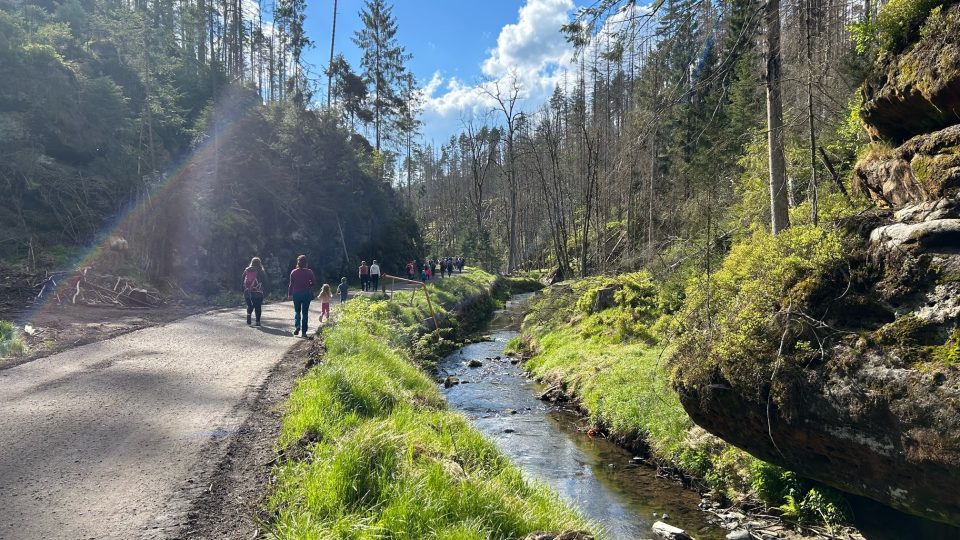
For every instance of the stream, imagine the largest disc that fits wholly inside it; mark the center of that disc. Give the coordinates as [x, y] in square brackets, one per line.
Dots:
[550, 443]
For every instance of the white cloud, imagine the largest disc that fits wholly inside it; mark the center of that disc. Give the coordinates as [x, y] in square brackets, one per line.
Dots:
[533, 50]
[533, 42]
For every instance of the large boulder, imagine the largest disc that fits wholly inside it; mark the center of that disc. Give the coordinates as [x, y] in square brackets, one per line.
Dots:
[927, 167]
[861, 386]
[918, 91]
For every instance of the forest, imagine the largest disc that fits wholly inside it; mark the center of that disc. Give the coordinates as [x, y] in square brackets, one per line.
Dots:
[652, 148]
[174, 140]
[655, 147]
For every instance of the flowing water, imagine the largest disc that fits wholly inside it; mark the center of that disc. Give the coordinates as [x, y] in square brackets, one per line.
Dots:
[550, 444]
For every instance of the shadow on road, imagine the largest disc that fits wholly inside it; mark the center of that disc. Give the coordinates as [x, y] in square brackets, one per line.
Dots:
[274, 331]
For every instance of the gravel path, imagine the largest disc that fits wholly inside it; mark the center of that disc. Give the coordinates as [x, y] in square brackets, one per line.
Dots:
[95, 441]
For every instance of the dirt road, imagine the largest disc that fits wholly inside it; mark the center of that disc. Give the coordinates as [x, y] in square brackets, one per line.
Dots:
[95, 442]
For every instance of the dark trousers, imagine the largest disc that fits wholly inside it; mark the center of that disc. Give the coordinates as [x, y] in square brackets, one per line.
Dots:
[254, 303]
[301, 309]
[364, 281]
[374, 282]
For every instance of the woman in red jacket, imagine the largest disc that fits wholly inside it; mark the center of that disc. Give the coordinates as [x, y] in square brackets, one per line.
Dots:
[300, 290]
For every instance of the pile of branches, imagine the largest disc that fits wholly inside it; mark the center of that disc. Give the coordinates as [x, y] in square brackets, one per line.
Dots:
[85, 287]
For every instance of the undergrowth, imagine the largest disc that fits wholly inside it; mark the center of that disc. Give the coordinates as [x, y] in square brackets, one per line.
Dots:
[11, 343]
[374, 453]
[734, 326]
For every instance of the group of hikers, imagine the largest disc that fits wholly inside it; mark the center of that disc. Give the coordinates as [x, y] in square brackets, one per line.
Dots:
[299, 289]
[429, 268]
[369, 276]
[302, 282]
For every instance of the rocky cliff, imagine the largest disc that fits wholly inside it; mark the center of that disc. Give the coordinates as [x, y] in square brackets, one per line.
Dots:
[853, 376]
[917, 91]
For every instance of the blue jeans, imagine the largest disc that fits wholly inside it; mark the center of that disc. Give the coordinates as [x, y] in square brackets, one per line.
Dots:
[301, 309]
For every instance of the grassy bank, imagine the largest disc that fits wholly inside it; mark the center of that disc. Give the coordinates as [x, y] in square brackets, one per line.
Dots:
[605, 343]
[370, 450]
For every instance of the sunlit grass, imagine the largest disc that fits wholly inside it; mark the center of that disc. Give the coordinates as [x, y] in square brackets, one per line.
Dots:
[376, 454]
[613, 360]
[624, 387]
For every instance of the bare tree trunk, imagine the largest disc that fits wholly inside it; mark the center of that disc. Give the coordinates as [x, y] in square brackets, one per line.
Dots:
[333, 36]
[780, 219]
[812, 188]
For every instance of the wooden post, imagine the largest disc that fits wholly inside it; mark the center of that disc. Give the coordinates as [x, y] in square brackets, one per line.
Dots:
[433, 315]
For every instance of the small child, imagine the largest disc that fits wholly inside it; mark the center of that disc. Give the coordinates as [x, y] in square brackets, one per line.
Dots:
[324, 298]
[343, 289]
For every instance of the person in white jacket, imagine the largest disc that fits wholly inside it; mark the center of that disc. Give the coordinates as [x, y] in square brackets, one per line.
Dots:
[375, 276]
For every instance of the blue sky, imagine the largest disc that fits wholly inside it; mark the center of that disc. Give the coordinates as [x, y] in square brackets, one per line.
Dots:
[456, 46]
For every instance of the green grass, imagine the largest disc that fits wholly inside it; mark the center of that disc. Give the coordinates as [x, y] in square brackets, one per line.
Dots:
[625, 387]
[373, 452]
[11, 343]
[609, 359]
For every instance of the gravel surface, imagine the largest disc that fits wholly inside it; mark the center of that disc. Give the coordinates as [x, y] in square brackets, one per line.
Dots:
[95, 442]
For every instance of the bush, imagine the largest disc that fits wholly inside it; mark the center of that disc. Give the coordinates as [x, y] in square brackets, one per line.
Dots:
[11, 343]
[896, 26]
[733, 322]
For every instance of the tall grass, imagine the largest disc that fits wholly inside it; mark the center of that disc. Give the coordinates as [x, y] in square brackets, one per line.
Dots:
[624, 387]
[374, 453]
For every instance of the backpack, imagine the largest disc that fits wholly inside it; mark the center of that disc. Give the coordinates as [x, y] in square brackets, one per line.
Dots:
[250, 282]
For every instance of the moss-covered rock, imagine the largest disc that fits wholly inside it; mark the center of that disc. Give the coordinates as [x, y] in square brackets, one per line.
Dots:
[918, 91]
[925, 168]
[843, 369]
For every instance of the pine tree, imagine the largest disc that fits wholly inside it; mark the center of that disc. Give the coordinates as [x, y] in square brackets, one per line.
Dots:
[383, 66]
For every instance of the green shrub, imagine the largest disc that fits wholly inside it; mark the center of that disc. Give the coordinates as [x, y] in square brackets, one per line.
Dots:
[896, 26]
[733, 323]
[815, 505]
[11, 343]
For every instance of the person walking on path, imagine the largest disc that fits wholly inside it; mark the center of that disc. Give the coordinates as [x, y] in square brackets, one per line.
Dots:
[411, 266]
[374, 276]
[300, 290]
[343, 289]
[254, 283]
[364, 275]
[325, 296]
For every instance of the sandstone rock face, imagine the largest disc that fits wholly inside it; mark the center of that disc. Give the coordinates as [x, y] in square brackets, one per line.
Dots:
[877, 429]
[919, 92]
[927, 167]
[877, 411]
[943, 233]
